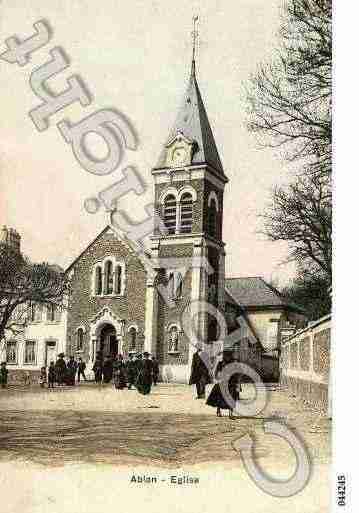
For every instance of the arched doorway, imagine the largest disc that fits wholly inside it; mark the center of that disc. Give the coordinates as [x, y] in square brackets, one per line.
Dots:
[108, 343]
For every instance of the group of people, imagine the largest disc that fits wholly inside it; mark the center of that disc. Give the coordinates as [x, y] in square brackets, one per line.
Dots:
[138, 371]
[141, 372]
[225, 393]
[63, 372]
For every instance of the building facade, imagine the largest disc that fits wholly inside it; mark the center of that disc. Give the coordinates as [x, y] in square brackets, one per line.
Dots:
[125, 302]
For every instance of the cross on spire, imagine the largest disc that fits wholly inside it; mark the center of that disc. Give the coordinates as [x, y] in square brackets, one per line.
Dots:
[194, 43]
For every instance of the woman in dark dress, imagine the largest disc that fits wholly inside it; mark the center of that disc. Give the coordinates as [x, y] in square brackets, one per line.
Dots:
[217, 397]
[107, 369]
[119, 373]
[145, 374]
[98, 368]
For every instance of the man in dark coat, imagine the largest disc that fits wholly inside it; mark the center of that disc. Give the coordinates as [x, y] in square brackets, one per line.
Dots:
[145, 374]
[60, 369]
[155, 370]
[200, 375]
[107, 369]
[131, 370]
[81, 366]
[98, 368]
[119, 373]
[71, 371]
[3, 375]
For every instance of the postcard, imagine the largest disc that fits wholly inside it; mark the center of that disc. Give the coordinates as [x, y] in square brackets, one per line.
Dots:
[165, 256]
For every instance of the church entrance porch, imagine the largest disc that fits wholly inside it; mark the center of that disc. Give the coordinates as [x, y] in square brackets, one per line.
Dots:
[106, 334]
[108, 343]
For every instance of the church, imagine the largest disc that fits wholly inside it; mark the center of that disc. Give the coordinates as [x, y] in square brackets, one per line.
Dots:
[117, 305]
[124, 302]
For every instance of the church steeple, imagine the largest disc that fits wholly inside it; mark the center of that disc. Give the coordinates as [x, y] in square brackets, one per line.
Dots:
[193, 124]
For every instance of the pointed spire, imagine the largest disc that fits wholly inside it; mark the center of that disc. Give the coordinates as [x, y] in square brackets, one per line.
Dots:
[192, 121]
[194, 44]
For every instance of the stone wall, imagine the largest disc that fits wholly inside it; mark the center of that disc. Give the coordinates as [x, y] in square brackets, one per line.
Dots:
[305, 364]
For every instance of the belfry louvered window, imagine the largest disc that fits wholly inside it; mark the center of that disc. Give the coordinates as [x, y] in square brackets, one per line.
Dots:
[186, 213]
[212, 219]
[169, 214]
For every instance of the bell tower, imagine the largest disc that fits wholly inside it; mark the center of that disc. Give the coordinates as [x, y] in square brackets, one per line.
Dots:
[189, 185]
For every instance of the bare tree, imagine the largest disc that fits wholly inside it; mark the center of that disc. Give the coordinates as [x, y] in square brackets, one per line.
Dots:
[289, 99]
[22, 284]
[301, 214]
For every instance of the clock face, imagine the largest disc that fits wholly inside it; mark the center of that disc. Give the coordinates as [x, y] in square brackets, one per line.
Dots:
[179, 155]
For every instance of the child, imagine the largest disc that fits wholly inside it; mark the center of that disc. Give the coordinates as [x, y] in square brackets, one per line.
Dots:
[52, 375]
[42, 379]
[3, 375]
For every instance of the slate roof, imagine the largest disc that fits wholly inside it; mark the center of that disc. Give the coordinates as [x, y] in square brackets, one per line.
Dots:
[192, 121]
[255, 292]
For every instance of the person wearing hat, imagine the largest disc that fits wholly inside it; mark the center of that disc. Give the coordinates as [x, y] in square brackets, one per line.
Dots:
[119, 373]
[131, 371]
[98, 369]
[225, 392]
[200, 375]
[3, 375]
[145, 374]
[107, 369]
[60, 369]
[71, 371]
[155, 370]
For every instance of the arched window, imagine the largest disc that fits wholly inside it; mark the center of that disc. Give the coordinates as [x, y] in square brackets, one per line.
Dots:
[186, 213]
[108, 277]
[118, 278]
[98, 281]
[212, 218]
[80, 339]
[173, 340]
[169, 213]
[133, 337]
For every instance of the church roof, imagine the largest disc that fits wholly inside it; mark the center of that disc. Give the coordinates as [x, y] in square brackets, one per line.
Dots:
[255, 292]
[192, 121]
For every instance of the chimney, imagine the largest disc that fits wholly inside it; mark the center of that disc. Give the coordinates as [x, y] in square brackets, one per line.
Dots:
[10, 237]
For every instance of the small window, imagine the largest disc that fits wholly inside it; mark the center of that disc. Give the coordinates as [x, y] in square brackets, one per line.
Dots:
[170, 214]
[50, 313]
[53, 313]
[133, 337]
[32, 313]
[30, 352]
[173, 340]
[186, 213]
[11, 352]
[80, 339]
[108, 278]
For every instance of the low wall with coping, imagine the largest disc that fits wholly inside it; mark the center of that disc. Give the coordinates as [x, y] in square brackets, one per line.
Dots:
[305, 364]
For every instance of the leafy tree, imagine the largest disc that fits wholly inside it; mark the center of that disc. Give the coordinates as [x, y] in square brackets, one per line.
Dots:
[310, 290]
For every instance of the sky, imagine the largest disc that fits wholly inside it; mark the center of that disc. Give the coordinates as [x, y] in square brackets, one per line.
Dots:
[135, 57]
